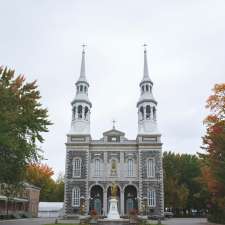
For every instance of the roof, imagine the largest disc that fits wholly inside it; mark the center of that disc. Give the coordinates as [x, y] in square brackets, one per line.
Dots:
[146, 97]
[113, 132]
[28, 185]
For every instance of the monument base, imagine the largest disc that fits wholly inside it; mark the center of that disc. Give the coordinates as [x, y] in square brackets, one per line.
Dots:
[113, 210]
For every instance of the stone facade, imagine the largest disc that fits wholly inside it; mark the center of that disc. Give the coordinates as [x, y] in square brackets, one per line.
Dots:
[120, 151]
[134, 165]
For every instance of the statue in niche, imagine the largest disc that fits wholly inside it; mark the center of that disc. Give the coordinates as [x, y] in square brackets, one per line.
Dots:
[114, 190]
[113, 168]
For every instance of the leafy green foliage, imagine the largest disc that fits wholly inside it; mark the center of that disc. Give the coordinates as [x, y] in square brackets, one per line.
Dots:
[181, 182]
[22, 122]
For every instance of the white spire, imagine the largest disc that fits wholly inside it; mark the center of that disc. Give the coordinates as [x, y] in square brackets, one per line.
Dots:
[145, 71]
[146, 75]
[82, 68]
[81, 105]
[147, 105]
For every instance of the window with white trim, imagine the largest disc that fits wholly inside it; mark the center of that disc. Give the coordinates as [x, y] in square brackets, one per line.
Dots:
[97, 167]
[76, 167]
[130, 165]
[151, 198]
[76, 197]
[150, 168]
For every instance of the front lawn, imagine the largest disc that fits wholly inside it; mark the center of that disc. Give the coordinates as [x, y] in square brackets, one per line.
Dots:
[85, 224]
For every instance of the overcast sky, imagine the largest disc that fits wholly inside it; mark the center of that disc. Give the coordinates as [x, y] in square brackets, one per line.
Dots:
[186, 53]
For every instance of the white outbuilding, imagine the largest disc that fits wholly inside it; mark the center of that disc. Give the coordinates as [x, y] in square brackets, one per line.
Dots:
[50, 209]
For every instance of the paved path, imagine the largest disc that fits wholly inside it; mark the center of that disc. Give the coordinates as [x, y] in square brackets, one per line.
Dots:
[186, 221]
[35, 221]
[41, 221]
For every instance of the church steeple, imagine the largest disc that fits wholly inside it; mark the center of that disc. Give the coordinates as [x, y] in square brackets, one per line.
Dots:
[82, 68]
[147, 105]
[145, 70]
[81, 104]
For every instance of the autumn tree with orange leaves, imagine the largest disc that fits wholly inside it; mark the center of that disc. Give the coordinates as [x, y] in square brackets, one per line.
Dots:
[213, 170]
[41, 176]
[22, 123]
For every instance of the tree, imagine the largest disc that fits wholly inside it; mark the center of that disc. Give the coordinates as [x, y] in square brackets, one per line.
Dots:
[213, 170]
[58, 194]
[22, 122]
[40, 175]
[183, 191]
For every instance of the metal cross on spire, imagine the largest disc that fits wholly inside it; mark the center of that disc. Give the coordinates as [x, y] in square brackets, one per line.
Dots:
[114, 124]
[145, 45]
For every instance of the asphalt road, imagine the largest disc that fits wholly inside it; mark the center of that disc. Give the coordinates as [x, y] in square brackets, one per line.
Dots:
[41, 221]
[34, 221]
[188, 221]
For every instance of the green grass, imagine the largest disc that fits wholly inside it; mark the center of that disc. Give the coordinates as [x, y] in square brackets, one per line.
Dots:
[62, 224]
[87, 224]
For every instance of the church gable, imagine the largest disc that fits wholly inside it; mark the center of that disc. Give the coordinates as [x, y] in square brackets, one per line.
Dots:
[114, 135]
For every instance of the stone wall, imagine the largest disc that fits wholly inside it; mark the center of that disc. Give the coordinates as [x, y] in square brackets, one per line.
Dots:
[121, 153]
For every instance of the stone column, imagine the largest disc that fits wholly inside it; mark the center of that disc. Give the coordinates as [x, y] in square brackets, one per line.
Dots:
[122, 202]
[151, 113]
[83, 109]
[105, 166]
[105, 203]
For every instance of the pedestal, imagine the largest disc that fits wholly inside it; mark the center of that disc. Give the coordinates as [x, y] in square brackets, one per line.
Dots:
[113, 210]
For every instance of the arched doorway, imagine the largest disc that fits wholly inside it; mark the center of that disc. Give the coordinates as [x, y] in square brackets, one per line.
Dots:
[130, 199]
[109, 196]
[96, 200]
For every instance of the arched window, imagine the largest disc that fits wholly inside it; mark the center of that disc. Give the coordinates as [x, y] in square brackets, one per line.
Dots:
[97, 167]
[142, 112]
[76, 197]
[148, 112]
[147, 87]
[143, 88]
[76, 167]
[130, 165]
[81, 88]
[154, 113]
[80, 112]
[86, 112]
[151, 198]
[150, 168]
[74, 113]
[85, 89]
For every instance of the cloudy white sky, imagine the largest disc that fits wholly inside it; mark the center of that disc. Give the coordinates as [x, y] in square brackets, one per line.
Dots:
[186, 54]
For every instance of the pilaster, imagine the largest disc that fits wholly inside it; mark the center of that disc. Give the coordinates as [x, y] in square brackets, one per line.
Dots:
[105, 203]
[122, 201]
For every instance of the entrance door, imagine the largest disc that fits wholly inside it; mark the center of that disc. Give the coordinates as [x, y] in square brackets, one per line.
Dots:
[98, 206]
[130, 204]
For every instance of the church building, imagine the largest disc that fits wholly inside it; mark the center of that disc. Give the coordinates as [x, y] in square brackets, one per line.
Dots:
[135, 166]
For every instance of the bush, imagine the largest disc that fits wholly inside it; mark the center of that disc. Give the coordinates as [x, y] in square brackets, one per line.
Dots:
[7, 217]
[216, 218]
